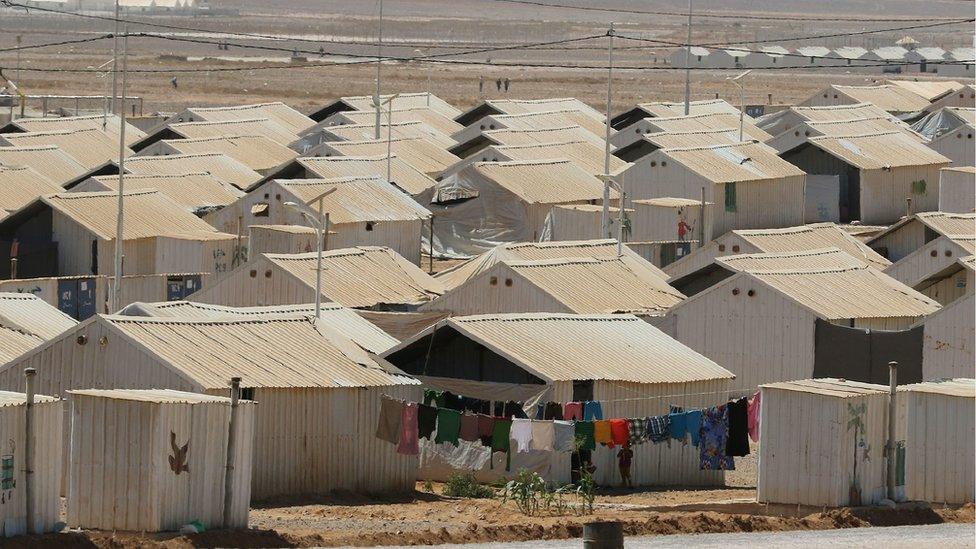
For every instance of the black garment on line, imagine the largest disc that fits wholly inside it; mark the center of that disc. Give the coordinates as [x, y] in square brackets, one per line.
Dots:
[737, 443]
[553, 411]
[426, 420]
[514, 409]
[452, 402]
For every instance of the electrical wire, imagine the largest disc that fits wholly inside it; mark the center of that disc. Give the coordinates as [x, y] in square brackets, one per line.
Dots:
[61, 43]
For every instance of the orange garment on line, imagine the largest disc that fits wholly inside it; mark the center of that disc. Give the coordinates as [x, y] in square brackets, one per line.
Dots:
[601, 432]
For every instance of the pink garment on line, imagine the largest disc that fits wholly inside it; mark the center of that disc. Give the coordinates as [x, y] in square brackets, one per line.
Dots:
[408, 431]
[573, 410]
[753, 412]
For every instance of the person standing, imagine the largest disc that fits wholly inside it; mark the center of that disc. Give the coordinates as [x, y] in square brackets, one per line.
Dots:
[624, 458]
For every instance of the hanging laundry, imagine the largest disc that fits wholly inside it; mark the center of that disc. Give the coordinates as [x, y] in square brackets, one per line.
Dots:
[543, 435]
[678, 424]
[714, 435]
[452, 401]
[619, 432]
[469, 428]
[448, 426]
[514, 409]
[672, 409]
[486, 427]
[657, 429]
[540, 411]
[500, 435]
[564, 436]
[391, 414]
[433, 398]
[408, 445]
[521, 433]
[553, 411]
[573, 410]
[737, 443]
[426, 421]
[637, 429]
[754, 406]
[602, 433]
[592, 410]
[693, 421]
[585, 432]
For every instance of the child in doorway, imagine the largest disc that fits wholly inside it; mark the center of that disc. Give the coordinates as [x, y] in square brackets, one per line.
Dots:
[624, 457]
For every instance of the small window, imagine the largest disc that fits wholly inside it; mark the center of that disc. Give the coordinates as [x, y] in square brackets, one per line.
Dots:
[260, 209]
[948, 253]
[735, 248]
[369, 225]
[247, 393]
[493, 281]
[508, 282]
[730, 197]
[254, 273]
[918, 187]
[267, 274]
[664, 163]
[721, 247]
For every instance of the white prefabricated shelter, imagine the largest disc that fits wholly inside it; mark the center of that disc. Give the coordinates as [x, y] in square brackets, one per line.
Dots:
[565, 285]
[949, 339]
[877, 173]
[632, 367]
[790, 239]
[264, 127]
[957, 190]
[21, 185]
[298, 369]
[490, 203]
[277, 112]
[782, 123]
[428, 115]
[669, 219]
[361, 277]
[957, 144]
[728, 58]
[48, 160]
[761, 322]
[931, 90]
[363, 211]
[257, 152]
[89, 147]
[401, 174]
[533, 251]
[527, 136]
[15, 342]
[280, 239]
[155, 460]
[533, 121]
[935, 424]
[651, 142]
[707, 121]
[422, 154]
[404, 129]
[893, 99]
[31, 314]
[847, 56]
[526, 106]
[939, 269]
[697, 57]
[665, 109]
[73, 233]
[821, 443]
[46, 477]
[403, 101]
[110, 124]
[911, 233]
[197, 193]
[580, 222]
[751, 187]
[585, 154]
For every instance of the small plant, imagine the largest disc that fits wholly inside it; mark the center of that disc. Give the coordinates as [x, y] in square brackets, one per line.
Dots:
[528, 491]
[464, 485]
[428, 487]
[586, 487]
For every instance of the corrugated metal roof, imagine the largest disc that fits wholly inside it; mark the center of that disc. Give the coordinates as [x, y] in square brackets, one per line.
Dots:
[850, 52]
[703, 138]
[192, 191]
[930, 90]
[527, 106]
[532, 251]
[281, 114]
[444, 124]
[264, 352]
[949, 224]
[256, 126]
[958, 387]
[404, 176]
[534, 121]
[826, 258]
[584, 154]
[219, 165]
[90, 148]
[878, 150]
[148, 213]
[110, 124]
[812, 237]
[731, 163]
[254, 151]
[29, 313]
[158, 396]
[839, 388]
[891, 53]
[839, 112]
[561, 347]
[705, 122]
[843, 293]
[861, 126]
[47, 160]
[404, 100]
[593, 286]
[571, 132]
[14, 342]
[666, 109]
[22, 185]
[357, 199]
[401, 130]
[422, 154]
[551, 181]
[342, 319]
[813, 51]
[887, 97]
[9, 398]
[363, 276]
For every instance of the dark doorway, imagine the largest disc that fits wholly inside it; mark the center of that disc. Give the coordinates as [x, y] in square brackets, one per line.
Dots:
[850, 195]
[863, 355]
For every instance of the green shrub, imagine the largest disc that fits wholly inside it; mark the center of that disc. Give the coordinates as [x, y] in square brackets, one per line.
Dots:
[464, 485]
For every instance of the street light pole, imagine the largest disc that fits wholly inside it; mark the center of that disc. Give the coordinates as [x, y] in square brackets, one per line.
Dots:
[117, 286]
[321, 225]
[424, 53]
[115, 56]
[688, 65]
[742, 100]
[379, 65]
[605, 213]
[389, 134]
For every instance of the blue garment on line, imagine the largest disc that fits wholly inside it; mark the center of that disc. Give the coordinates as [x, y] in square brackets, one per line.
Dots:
[693, 420]
[592, 410]
[657, 428]
[678, 425]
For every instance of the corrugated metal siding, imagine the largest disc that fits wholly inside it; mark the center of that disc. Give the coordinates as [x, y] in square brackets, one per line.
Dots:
[423, 154]
[257, 152]
[957, 145]
[281, 113]
[250, 126]
[403, 175]
[219, 165]
[427, 115]
[883, 192]
[949, 341]
[957, 189]
[939, 435]
[47, 466]
[921, 264]
[807, 453]
[120, 477]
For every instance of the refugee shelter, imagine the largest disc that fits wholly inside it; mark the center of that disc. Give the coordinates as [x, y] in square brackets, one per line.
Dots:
[694, 57]
[423, 155]
[257, 152]
[277, 112]
[280, 239]
[49, 161]
[155, 460]
[651, 142]
[664, 109]
[29, 313]
[774, 318]
[492, 107]
[21, 185]
[197, 193]
[949, 339]
[218, 165]
[957, 143]
[894, 99]
[706, 121]
[111, 124]
[940, 269]
[264, 127]
[444, 125]
[403, 100]
[490, 203]
[585, 154]
[957, 190]
[532, 121]
[844, 421]
[295, 451]
[401, 174]
[912, 232]
[578, 285]
[398, 129]
[619, 360]
[527, 136]
[89, 147]
[782, 123]
[363, 277]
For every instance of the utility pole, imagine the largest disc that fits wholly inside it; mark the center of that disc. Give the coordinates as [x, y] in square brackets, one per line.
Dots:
[117, 286]
[891, 447]
[115, 56]
[379, 65]
[605, 214]
[688, 65]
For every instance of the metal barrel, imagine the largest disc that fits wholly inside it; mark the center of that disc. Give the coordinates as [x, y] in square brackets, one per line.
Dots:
[603, 535]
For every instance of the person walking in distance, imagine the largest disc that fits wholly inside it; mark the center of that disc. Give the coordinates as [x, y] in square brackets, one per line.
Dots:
[624, 457]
